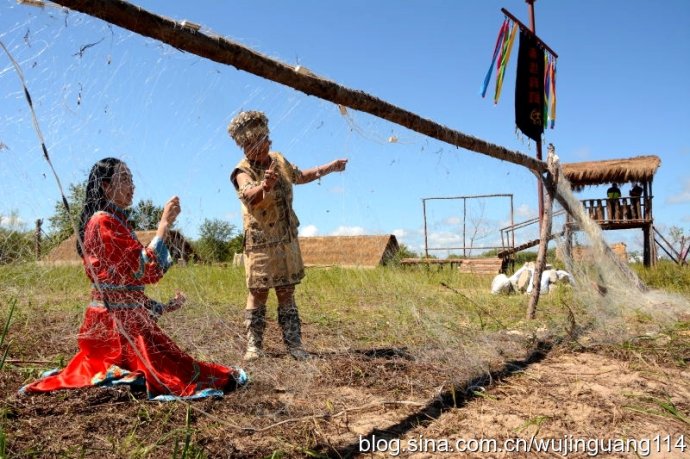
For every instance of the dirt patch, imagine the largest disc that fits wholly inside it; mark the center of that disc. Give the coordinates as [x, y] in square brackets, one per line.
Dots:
[329, 405]
[573, 396]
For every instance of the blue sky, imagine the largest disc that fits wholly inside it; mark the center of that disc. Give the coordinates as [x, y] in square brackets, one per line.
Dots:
[622, 91]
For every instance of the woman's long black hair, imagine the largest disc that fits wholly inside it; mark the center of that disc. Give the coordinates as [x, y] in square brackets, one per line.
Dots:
[95, 199]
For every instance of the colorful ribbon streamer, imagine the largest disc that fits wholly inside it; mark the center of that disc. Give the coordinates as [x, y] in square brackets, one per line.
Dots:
[549, 90]
[552, 99]
[503, 62]
[501, 57]
[499, 40]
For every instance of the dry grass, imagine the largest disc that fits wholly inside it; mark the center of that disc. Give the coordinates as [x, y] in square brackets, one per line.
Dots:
[394, 348]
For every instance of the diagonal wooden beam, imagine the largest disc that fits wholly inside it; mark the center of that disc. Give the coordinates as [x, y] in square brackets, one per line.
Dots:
[224, 51]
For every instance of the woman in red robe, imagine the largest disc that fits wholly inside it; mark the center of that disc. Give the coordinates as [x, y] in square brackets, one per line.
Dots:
[119, 340]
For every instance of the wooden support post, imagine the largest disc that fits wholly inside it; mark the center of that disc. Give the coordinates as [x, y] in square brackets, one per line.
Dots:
[37, 239]
[545, 233]
[648, 242]
[568, 248]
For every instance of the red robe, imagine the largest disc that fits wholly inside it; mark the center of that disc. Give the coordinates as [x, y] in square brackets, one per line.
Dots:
[119, 340]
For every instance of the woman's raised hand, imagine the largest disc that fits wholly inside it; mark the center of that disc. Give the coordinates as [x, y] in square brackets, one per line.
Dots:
[171, 210]
[270, 177]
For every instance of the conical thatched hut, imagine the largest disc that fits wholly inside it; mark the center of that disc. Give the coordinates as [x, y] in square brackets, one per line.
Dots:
[360, 251]
[180, 248]
[626, 211]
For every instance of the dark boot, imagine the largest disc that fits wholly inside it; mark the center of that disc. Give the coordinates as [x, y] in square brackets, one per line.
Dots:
[288, 318]
[254, 324]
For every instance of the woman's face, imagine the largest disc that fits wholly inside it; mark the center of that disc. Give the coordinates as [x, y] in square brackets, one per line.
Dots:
[120, 189]
[258, 151]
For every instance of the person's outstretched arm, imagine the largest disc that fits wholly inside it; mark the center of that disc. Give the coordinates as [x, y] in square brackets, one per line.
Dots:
[317, 172]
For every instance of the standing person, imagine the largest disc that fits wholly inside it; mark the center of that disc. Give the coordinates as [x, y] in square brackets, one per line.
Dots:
[613, 195]
[263, 180]
[119, 340]
[613, 192]
[635, 195]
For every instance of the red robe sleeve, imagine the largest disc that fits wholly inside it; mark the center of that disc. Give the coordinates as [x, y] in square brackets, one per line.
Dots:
[115, 256]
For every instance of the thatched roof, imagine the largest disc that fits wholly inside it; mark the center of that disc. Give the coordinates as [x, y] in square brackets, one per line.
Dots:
[66, 252]
[637, 169]
[362, 251]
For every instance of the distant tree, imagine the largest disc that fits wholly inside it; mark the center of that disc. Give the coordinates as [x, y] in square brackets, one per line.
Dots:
[16, 243]
[680, 240]
[236, 244]
[61, 223]
[216, 240]
[490, 253]
[477, 225]
[145, 215]
[403, 252]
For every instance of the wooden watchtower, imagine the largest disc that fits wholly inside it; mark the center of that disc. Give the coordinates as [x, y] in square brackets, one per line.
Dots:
[626, 212]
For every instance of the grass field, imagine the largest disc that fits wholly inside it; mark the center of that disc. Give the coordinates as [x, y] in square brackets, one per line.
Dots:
[392, 347]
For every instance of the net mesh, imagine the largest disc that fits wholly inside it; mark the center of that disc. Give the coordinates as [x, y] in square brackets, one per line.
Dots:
[101, 91]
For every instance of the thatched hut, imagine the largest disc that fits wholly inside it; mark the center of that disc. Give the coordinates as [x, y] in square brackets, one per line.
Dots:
[624, 212]
[180, 248]
[638, 169]
[359, 251]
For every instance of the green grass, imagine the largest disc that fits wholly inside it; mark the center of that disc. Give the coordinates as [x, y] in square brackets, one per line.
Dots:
[5, 330]
[381, 306]
[666, 275]
[386, 306]
[449, 314]
[327, 296]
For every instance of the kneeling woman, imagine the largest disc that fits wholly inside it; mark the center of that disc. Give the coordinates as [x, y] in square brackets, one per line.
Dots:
[119, 341]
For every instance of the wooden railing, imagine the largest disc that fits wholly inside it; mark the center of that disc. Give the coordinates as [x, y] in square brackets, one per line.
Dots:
[618, 210]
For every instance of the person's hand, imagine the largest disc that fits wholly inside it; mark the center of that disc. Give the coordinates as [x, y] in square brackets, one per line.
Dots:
[176, 302]
[338, 165]
[270, 178]
[171, 210]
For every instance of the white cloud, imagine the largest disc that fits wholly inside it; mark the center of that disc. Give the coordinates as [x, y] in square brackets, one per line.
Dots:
[452, 221]
[444, 239]
[12, 222]
[682, 196]
[400, 233]
[348, 231]
[308, 231]
[582, 154]
[524, 211]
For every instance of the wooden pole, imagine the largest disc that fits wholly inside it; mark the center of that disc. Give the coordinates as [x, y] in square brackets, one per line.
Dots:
[224, 51]
[464, 227]
[530, 28]
[652, 248]
[37, 239]
[568, 245]
[540, 186]
[426, 240]
[545, 231]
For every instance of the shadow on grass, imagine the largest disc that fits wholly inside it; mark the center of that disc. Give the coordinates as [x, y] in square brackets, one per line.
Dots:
[375, 353]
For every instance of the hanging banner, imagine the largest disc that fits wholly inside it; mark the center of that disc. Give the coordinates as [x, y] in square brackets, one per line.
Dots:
[529, 87]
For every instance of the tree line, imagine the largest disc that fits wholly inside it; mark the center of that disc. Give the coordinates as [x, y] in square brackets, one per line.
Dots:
[218, 240]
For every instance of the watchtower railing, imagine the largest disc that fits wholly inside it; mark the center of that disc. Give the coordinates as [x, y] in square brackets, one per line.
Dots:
[618, 210]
